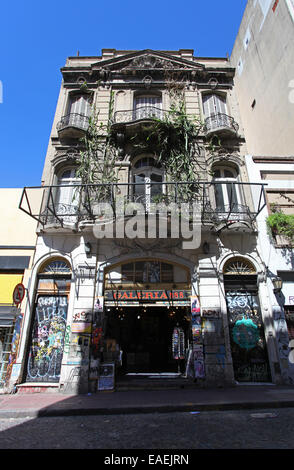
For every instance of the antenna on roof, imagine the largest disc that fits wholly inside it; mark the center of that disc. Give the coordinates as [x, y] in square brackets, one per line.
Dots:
[78, 53]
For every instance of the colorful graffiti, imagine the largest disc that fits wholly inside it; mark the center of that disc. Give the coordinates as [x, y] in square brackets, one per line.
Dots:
[48, 335]
[195, 363]
[14, 350]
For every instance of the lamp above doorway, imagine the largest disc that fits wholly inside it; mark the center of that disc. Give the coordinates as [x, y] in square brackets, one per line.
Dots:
[278, 284]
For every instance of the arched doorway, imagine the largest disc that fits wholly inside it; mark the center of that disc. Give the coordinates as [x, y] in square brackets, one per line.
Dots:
[49, 322]
[145, 299]
[248, 345]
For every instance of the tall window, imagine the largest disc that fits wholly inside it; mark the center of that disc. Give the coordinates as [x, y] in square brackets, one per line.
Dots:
[148, 181]
[147, 106]
[214, 104]
[227, 196]
[67, 199]
[79, 109]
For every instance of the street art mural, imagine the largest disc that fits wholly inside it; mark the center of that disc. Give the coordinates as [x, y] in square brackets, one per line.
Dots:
[248, 346]
[48, 339]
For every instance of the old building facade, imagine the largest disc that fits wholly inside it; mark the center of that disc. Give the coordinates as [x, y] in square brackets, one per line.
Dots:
[147, 256]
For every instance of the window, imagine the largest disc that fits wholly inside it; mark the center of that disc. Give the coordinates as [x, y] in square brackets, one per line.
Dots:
[67, 200]
[79, 104]
[79, 109]
[147, 272]
[147, 106]
[216, 114]
[214, 104]
[227, 196]
[147, 181]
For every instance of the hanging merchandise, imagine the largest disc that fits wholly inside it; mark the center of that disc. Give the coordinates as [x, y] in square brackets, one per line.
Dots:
[178, 343]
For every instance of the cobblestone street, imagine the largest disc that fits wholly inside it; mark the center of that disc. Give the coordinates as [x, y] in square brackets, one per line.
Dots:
[247, 429]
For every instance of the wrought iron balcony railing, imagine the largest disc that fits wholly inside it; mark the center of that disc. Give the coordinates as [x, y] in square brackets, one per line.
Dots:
[137, 114]
[71, 205]
[75, 120]
[220, 122]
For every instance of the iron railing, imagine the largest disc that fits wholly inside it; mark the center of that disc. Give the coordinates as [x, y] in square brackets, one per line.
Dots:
[84, 202]
[136, 114]
[220, 121]
[80, 121]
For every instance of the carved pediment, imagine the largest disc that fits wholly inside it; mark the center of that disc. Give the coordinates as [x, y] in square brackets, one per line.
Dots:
[147, 60]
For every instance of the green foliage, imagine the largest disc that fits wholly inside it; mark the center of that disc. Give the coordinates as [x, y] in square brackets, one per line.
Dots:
[282, 224]
[97, 162]
[173, 140]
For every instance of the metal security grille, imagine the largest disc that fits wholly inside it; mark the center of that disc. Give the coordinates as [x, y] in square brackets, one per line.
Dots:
[5, 348]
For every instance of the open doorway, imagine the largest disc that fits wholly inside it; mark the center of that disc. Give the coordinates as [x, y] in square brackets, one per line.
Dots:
[144, 335]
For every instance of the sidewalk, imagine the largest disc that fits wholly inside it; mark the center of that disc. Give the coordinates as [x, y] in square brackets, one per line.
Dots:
[56, 404]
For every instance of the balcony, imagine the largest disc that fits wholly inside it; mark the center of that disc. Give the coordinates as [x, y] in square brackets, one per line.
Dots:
[72, 125]
[106, 203]
[220, 124]
[136, 117]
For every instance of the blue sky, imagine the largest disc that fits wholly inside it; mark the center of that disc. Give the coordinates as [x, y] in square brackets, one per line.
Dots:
[37, 37]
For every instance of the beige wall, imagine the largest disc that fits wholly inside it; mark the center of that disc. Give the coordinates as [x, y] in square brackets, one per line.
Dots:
[17, 228]
[265, 73]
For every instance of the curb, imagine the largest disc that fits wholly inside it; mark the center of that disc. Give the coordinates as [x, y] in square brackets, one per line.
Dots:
[55, 412]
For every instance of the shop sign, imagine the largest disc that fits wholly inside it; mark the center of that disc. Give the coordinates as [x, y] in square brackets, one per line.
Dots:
[147, 295]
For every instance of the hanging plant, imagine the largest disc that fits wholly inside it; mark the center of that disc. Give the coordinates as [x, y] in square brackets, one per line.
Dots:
[281, 224]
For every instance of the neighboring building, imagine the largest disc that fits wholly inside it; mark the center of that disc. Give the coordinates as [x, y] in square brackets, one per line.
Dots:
[264, 59]
[145, 302]
[17, 247]
[263, 55]
[276, 249]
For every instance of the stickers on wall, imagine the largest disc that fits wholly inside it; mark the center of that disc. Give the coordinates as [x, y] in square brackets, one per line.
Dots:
[196, 356]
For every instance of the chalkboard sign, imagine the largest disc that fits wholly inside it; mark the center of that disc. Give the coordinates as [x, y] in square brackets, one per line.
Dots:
[106, 376]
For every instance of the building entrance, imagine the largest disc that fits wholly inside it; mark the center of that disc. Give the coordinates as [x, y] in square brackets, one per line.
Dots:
[145, 337]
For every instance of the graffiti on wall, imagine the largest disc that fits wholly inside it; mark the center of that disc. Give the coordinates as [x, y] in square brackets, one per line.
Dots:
[248, 346]
[47, 342]
[14, 351]
[195, 362]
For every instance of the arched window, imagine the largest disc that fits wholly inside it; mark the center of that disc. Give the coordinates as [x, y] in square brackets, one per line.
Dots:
[147, 179]
[227, 194]
[56, 267]
[238, 266]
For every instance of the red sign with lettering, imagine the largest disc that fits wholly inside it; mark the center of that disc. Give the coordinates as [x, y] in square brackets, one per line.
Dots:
[147, 295]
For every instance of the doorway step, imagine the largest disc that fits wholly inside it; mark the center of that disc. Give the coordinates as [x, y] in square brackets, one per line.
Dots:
[154, 381]
[38, 387]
